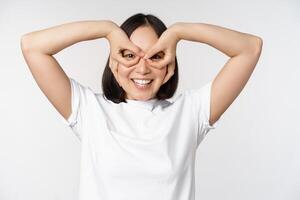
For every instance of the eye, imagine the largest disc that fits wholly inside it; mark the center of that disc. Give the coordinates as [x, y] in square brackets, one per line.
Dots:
[129, 55]
[157, 56]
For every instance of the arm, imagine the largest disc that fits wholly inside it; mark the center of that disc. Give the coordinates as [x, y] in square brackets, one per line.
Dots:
[38, 48]
[54, 39]
[244, 51]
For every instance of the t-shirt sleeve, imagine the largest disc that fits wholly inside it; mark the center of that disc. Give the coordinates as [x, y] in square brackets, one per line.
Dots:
[79, 102]
[201, 102]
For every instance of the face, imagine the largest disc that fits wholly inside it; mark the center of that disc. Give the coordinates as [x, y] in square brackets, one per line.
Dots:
[144, 37]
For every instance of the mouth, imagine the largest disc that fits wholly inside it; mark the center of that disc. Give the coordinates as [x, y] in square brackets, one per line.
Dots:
[142, 85]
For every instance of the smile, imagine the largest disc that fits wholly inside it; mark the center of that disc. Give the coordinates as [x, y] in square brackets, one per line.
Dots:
[142, 84]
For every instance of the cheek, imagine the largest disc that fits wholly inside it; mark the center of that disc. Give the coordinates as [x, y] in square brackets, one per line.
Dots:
[124, 75]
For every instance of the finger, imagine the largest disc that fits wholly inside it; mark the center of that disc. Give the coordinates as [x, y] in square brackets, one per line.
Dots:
[132, 47]
[127, 63]
[171, 72]
[159, 64]
[114, 70]
[118, 57]
[112, 65]
[151, 52]
[111, 62]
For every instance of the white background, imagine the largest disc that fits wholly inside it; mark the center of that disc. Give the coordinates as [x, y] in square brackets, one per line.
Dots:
[252, 154]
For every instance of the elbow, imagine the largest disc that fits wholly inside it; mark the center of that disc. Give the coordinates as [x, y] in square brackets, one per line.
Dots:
[258, 44]
[255, 45]
[27, 42]
[24, 42]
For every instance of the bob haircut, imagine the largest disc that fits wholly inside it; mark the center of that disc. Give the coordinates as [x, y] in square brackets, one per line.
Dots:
[111, 88]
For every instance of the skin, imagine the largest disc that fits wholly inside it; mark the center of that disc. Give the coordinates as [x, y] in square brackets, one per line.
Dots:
[144, 37]
[243, 49]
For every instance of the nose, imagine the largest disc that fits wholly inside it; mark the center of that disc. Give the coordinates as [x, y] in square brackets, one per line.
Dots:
[142, 66]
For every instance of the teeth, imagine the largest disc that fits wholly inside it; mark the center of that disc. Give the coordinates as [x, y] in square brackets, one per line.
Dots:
[144, 82]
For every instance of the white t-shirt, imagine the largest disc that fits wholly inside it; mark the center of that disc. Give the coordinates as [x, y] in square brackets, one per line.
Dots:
[140, 150]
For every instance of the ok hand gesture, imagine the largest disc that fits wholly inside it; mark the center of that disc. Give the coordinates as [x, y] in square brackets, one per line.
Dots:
[167, 44]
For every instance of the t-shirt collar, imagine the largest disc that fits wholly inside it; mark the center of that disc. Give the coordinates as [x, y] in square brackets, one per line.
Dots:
[147, 104]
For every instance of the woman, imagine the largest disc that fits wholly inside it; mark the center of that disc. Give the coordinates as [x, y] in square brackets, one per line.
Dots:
[136, 142]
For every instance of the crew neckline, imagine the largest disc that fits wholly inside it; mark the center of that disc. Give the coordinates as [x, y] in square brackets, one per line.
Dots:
[147, 104]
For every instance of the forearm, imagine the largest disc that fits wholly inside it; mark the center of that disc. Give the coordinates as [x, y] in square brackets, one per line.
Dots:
[54, 39]
[228, 41]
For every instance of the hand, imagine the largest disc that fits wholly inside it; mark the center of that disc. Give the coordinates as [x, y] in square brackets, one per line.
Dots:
[167, 44]
[119, 41]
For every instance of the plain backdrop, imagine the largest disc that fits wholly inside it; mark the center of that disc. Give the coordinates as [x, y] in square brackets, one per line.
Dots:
[252, 154]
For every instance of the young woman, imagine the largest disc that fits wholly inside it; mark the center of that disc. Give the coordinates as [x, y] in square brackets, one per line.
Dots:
[137, 143]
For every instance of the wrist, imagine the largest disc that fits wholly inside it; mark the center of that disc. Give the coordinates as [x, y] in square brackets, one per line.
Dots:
[109, 27]
[176, 29]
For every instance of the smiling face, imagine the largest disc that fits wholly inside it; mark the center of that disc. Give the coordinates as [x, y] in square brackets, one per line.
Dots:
[144, 37]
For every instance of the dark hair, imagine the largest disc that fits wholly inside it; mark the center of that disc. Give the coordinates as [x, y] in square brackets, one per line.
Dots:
[111, 87]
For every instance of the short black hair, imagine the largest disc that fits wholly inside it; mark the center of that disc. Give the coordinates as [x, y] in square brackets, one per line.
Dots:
[111, 87]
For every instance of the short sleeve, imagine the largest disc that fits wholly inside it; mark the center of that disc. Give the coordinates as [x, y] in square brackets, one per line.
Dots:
[201, 100]
[78, 101]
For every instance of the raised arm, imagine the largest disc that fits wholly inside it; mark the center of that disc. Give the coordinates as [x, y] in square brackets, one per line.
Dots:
[38, 48]
[244, 51]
